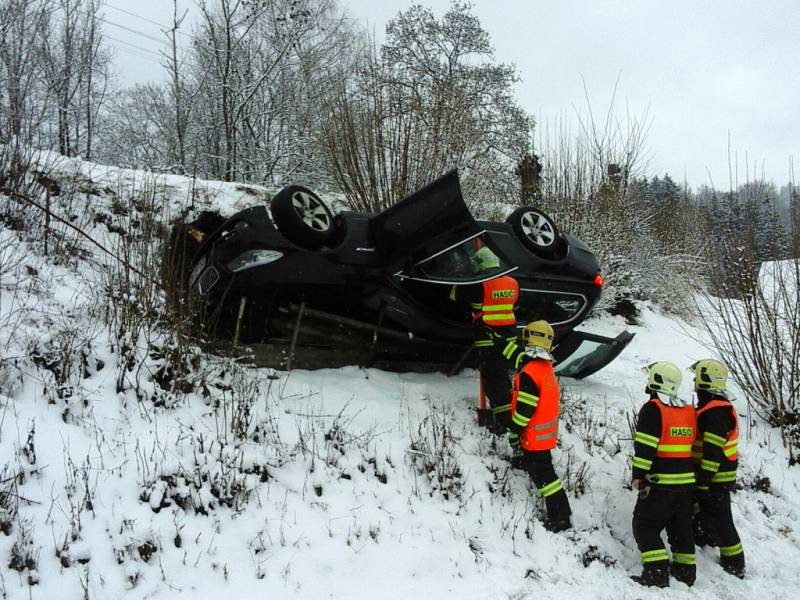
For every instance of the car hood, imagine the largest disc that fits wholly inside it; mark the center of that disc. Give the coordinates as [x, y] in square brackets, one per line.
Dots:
[427, 221]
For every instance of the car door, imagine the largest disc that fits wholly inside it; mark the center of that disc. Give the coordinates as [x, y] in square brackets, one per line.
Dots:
[581, 353]
[423, 224]
[420, 295]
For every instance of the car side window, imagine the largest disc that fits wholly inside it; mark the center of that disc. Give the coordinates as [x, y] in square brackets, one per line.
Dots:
[458, 264]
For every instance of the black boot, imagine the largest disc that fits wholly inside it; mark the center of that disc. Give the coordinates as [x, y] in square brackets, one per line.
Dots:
[653, 576]
[517, 460]
[558, 525]
[700, 536]
[486, 418]
[684, 573]
[501, 423]
[733, 565]
[559, 513]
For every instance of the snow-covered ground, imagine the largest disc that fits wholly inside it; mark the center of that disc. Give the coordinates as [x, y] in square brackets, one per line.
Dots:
[346, 483]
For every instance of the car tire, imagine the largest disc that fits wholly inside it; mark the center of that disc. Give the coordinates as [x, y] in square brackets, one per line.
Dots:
[301, 216]
[537, 231]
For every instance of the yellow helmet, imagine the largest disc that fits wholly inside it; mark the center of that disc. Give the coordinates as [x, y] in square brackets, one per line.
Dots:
[710, 375]
[663, 377]
[538, 333]
[485, 259]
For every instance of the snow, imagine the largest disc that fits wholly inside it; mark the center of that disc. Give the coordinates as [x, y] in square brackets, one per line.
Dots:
[326, 495]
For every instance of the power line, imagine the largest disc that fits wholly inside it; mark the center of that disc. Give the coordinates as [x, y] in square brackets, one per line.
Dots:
[127, 12]
[140, 33]
[136, 54]
[137, 32]
[142, 51]
[147, 51]
[146, 19]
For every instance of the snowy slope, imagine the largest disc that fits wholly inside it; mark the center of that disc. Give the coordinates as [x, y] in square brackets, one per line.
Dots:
[346, 483]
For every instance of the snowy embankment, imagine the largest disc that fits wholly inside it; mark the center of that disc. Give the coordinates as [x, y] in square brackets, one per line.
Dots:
[346, 483]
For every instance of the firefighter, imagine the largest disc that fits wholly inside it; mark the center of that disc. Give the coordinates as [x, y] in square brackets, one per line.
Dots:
[534, 422]
[495, 326]
[663, 475]
[716, 460]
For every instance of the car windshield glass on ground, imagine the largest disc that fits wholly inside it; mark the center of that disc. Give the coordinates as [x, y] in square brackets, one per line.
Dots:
[460, 264]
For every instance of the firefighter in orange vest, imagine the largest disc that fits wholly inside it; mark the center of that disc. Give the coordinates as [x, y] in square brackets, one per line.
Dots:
[534, 422]
[492, 303]
[663, 474]
[716, 459]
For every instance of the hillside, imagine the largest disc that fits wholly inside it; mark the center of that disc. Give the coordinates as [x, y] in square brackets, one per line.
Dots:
[133, 465]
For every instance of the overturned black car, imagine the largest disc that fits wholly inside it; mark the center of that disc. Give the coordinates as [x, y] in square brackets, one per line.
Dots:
[297, 286]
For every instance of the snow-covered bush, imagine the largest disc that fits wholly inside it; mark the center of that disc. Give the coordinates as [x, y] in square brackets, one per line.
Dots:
[593, 185]
[66, 353]
[434, 455]
[758, 337]
[9, 497]
[220, 463]
[575, 473]
[25, 552]
[134, 545]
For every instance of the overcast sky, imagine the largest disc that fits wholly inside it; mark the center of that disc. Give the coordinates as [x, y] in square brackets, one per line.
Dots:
[702, 70]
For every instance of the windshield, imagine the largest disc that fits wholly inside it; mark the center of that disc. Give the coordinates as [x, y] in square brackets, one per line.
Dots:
[469, 261]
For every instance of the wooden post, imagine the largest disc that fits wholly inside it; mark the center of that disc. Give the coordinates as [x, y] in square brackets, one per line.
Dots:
[461, 360]
[376, 332]
[238, 328]
[295, 333]
[47, 219]
[485, 415]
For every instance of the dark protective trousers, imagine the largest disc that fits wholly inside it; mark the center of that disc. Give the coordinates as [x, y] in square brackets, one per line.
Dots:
[715, 524]
[497, 384]
[670, 509]
[539, 466]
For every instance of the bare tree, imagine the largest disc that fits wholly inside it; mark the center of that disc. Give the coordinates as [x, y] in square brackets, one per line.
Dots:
[140, 121]
[229, 54]
[259, 70]
[588, 165]
[75, 68]
[758, 336]
[97, 72]
[21, 24]
[431, 100]
[181, 103]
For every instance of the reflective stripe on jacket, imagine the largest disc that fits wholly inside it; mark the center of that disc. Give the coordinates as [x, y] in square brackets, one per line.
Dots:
[499, 297]
[541, 432]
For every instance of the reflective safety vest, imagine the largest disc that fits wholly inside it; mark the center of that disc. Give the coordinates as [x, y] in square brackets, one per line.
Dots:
[541, 433]
[730, 446]
[499, 297]
[673, 463]
[725, 473]
[678, 431]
